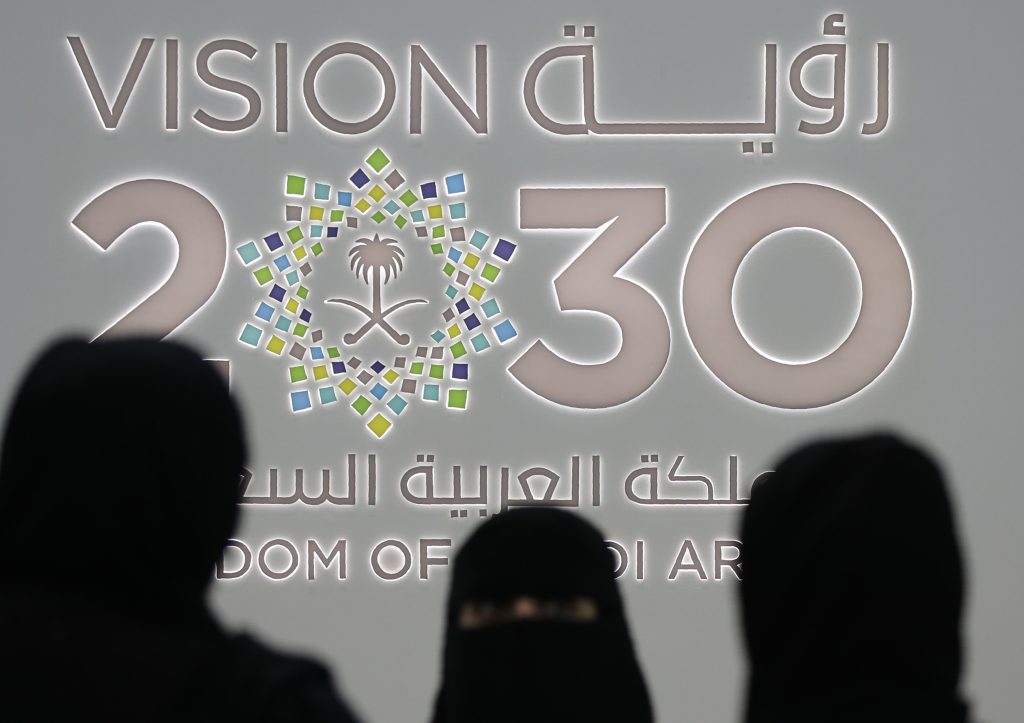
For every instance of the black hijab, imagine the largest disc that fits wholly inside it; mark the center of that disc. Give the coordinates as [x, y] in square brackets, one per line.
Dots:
[119, 485]
[119, 473]
[852, 588]
[539, 670]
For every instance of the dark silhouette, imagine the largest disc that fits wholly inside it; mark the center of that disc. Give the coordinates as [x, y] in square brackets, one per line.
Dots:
[536, 629]
[119, 485]
[852, 588]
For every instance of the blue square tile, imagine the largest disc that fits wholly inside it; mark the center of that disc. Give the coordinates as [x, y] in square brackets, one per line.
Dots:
[472, 322]
[300, 401]
[306, 315]
[273, 241]
[250, 335]
[264, 311]
[248, 252]
[505, 331]
[479, 239]
[344, 198]
[327, 395]
[503, 250]
[277, 293]
[454, 254]
[480, 342]
[338, 367]
[428, 190]
[379, 390]
[332, 232]
[460, 371]
[282, 263]
[377, 366]
[359, 178]
[316, 353]
[490, 308]
[462, 306]
[456, 183]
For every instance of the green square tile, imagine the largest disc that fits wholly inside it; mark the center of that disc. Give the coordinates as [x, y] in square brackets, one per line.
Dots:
[337, 215]
[408, 198]
[303, 292]
[297, 374]
[458, 349]
[317, 249]
[437, 232]
[379, 425]
[295, 234]
[263, 275]
[457, 398]
[361, 404]
[436, 249]
[378, 160]
[400, 221]
[333, 353]
[378, 217]
[416, 368]
[275, 345]
[490, 272]
[448, 269]
[300, 330]
[295, 186]
[437, 371]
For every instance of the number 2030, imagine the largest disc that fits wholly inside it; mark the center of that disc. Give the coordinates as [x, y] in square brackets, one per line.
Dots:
[629, 219]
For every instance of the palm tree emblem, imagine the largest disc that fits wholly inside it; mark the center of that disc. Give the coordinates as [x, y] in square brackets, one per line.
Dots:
[369, 257]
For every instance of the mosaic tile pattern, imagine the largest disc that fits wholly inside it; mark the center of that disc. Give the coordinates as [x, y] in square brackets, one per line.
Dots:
[377, 198]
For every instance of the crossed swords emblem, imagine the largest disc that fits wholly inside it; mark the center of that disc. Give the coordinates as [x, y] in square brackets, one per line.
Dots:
[369, 257]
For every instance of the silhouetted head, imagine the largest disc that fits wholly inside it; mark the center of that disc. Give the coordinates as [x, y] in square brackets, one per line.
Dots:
[852, 588]
[536, 629]
[119, 472]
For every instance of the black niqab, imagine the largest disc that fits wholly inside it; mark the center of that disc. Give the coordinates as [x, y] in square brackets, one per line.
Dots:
[539, 670]
[852, 588]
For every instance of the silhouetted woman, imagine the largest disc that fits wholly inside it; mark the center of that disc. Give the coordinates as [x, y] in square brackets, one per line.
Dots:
[852, 588]
[119, 485]
[536, 629]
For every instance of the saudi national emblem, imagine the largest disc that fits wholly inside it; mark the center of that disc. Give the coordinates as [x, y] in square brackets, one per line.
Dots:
[370, 257]
[375, 223]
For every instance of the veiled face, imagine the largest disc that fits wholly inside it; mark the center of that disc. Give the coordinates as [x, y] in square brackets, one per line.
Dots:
[480, 614]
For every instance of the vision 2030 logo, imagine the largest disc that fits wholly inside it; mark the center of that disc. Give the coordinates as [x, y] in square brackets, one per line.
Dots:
[366, 225]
